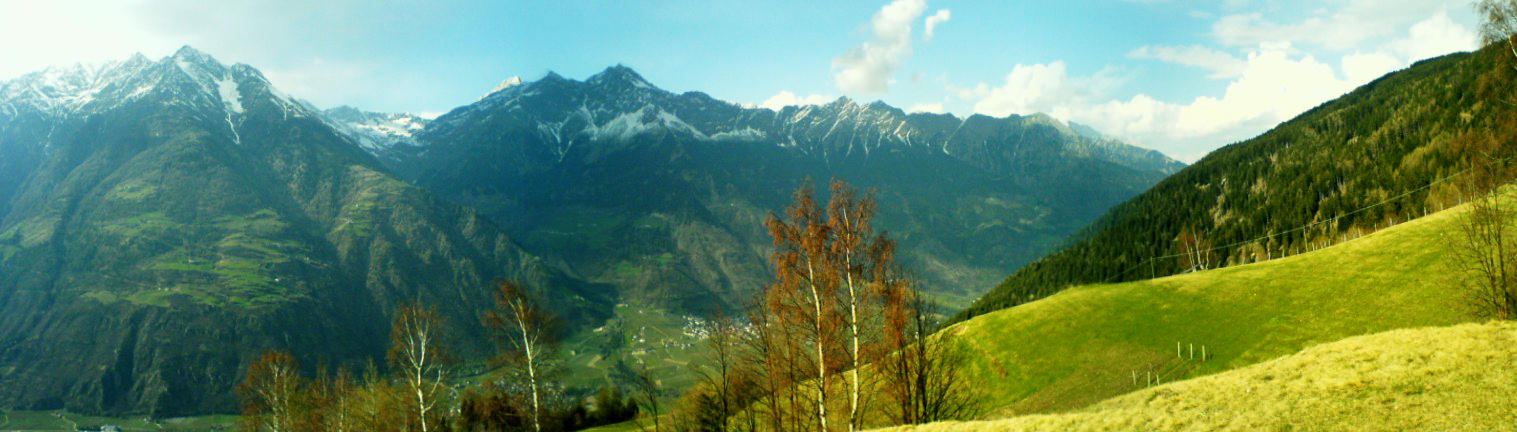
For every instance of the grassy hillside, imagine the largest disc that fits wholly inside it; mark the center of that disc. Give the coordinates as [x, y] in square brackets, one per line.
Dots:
[1448, 378]
[66, 421]
[1093, 342]
[1329, 171]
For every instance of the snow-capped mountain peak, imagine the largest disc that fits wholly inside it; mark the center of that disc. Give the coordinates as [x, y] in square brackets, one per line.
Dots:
[189, 79]
[66, 88]
[377, 132]
[507, 83]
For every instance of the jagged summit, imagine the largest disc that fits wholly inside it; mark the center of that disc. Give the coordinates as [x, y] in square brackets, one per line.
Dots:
[618, 105]
[188, 76]
[504, 84]
[376, 132]
[65, 87]
[619, 75]
[190, 53]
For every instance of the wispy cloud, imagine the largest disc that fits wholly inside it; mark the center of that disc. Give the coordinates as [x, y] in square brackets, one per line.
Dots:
[869, 67]
[1347, 27]
[940, 17]
[787, 98]
[1221, 64]
[1273, 80]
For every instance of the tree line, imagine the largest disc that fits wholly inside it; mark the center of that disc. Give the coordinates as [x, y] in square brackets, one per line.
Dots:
[421, 392]
[843, 339]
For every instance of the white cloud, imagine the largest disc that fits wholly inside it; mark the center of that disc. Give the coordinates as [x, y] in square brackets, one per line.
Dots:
[1363, 68]
[935, 108]
[786, 98]
[1027, 89]
[1274, 87]
[1274, 84]
[1278, 72]
[1347, 27]
[38, 34]
[1435, 36]
[868, 67]
[1039, 88]
[940, 17]
[1222, 65]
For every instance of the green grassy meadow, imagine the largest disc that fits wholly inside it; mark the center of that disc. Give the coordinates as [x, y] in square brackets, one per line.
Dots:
[66, 421]
[1091, 343]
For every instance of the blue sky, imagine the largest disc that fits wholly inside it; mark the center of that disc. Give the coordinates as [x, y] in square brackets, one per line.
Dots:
[1180, 76]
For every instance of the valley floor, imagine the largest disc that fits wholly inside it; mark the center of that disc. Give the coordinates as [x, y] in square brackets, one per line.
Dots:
[66, 421]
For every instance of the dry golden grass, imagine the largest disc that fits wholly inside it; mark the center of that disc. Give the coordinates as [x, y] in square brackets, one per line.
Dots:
[1459, 378]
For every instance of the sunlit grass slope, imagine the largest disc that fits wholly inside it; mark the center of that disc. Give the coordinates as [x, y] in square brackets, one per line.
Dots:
[1091, 343]
[1445, 378]
[40, 421]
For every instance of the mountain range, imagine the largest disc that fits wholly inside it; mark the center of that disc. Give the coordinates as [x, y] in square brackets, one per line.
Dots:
[162, 222]
[664, 194]
[167, 220]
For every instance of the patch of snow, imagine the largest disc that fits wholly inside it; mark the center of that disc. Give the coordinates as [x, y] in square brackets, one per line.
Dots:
[230, 96]
[646, 119]
[623, 127]
[377, 132]
[507, 83]
[141, 90]
[62, 89]
[744, 134]
[196, 74]
[673, 122]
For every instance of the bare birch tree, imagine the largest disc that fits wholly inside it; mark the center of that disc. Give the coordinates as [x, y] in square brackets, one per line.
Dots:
[720, 368]
[1500, 23]
[927, 381]
[805, 292]
[269, 392]
[1485, 254]
[418, 353]
[823, 309]
[524, 329]
[1196, 252]
[647, 393]
[849, 218]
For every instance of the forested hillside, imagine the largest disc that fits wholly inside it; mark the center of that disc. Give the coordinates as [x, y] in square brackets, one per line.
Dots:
[1374, 156]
